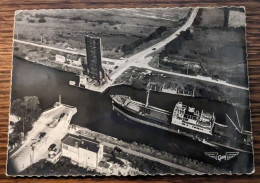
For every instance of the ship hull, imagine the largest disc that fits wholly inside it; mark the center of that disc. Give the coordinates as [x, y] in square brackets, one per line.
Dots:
[166, 125]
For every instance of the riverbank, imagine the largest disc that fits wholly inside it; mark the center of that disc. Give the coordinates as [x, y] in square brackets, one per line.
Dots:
[139, 77]
[35, 147]
[44, 57]
[186, 164]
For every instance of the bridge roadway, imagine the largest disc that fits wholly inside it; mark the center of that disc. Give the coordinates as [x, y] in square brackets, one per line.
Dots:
[34, 148]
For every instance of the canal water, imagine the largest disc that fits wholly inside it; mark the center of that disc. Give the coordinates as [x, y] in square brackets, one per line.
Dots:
[95, 112]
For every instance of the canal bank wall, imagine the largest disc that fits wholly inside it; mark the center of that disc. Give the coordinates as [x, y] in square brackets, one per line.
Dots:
[43, 56]
[147, 150]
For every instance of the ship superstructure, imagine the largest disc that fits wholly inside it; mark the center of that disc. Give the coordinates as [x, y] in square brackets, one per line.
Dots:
[191, 118]
[182, 115]
[185, 120]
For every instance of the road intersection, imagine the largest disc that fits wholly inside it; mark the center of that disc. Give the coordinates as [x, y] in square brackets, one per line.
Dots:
[142, 59]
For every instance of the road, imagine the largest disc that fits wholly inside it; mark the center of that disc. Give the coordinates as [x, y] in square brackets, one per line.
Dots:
[198, 77]
[176, 166]
[25, 155]
[118, 61]
[140, 57]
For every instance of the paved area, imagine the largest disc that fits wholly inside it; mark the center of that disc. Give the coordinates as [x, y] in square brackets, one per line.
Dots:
[34, 148]
[65, 50]
[141, 59]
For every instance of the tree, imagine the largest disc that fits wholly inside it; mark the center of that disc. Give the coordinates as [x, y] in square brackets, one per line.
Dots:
[129, 47]
[31, 20]
[18, 19]
[42, 20]
[28, 110]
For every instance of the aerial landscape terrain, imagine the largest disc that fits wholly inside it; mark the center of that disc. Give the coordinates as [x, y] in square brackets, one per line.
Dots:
[145, 91]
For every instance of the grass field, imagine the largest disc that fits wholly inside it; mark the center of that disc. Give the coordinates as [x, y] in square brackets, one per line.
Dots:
[216, 45]
[115, 26]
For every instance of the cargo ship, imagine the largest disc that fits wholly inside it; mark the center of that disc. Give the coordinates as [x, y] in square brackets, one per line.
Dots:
[184, 120]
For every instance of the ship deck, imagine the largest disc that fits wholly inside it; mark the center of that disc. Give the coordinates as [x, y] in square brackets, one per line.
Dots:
[151, 112]
[232, 143]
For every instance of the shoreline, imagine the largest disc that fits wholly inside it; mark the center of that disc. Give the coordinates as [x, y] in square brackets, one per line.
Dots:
[186, 163]
[77, 71]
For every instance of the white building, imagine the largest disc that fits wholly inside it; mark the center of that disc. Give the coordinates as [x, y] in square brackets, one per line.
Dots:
[83, 80]
[84, 151]
[74, 59]
[60, 58]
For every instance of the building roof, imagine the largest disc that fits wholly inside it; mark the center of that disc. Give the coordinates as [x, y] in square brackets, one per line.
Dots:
[92, 37]
[83, 142]
[72, 57]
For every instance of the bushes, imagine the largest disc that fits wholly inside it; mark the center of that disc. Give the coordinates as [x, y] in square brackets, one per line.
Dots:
[76, 18]
[28, 110]
[31, 20]
[42, 20]
[128, 48]
[173, 47]
[39, 15]
[18, 19]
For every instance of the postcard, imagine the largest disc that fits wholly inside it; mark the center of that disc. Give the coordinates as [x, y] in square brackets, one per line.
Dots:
[126, 92]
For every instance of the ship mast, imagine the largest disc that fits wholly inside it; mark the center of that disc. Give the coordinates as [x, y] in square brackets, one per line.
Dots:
[148, 94]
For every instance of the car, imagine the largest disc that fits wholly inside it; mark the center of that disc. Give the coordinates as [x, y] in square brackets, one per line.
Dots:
[51, 147]
[42, 134]
[116, 67]
[154, 49]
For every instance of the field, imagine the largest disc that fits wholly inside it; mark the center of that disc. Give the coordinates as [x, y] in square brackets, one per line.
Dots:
[214, 46]
[67, 28]
[221, 54]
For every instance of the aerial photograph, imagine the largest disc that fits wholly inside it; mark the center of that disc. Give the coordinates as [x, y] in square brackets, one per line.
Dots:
[127, 92]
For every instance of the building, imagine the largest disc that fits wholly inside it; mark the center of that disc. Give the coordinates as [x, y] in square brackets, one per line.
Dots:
[84, 151]
[92, 67]
[60, 58]
[74, 60]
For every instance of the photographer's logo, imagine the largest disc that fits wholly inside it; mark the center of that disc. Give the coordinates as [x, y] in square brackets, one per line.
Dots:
[219, 157]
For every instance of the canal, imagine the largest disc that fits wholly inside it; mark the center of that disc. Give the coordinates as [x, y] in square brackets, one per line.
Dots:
[95, 112]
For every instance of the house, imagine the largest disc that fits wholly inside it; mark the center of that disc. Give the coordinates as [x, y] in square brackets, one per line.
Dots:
[84, 151]
[60, 58]
[74, 59]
